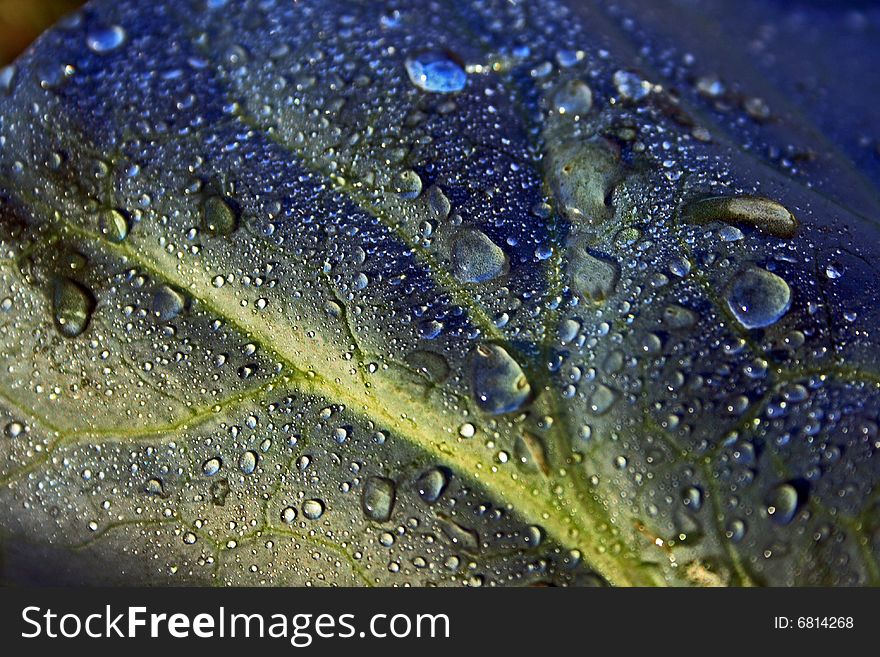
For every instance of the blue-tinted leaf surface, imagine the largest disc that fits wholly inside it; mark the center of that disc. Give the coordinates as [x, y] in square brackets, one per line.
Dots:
[449, 293]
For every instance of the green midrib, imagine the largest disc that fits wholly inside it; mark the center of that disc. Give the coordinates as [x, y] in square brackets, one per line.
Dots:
[555, 503]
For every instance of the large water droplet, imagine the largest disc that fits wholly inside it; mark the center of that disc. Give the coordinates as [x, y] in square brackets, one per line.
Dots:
[114, 225]
[219, 216]
[476, 258]
[212, 466]
[758, 298]
[782, 503]
[407, 184]
[378, 498]
[436, 72]
[248, 462]
[574, 98]
[313, 509]
[167, 303]
[106, 39]
[432, 483]
[72, 307]
[498, 382]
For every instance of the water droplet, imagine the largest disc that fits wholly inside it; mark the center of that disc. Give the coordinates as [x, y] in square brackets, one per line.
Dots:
[72, 307]
[105, 39]
[407, 184]
[631, 86]
[692, 497]
[761, 213]
[378, 498]
[758, 298]
[782, 503]
[248, 462]
[476, 258]
[428, 364]
[212, 466]
[14, 429]
[313, 509]
[467, 430]
[436, 72]
[113, 225]
[288, 515]
[594, 279]
[438, 202]
[432, 483]
[497, 381]
[154, 487]
[574, 98]
[219, 217]
[602, 399]
[167, 303]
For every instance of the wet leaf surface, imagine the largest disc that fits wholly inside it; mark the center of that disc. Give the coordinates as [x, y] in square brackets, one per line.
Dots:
[476, 293]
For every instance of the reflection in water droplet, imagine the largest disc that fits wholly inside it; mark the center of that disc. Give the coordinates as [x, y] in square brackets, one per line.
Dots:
[476, 258]
[72, 307]
[432, 483]
[758, 298]
[105, 39]
[497, 381]
[378, 498]
[436, 72]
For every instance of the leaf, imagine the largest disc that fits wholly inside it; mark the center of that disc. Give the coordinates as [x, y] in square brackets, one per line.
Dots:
[335, 293]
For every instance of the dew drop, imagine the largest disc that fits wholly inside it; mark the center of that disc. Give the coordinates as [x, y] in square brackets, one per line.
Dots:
[167, 303]
[72, 307]
[113, 225]
[219, 217]
[758, 298]
[212, 466]
[476, 258]
[497, 381]
[105, 39]
[574, 98]
[378, 498]
[313, 509]
[436, 72]
[248, 462]
[782, 503]
[432, 483]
